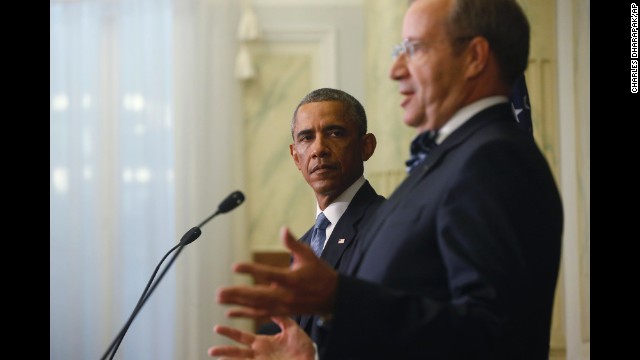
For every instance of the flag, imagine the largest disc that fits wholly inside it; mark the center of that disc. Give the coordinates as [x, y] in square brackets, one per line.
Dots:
[520, 104]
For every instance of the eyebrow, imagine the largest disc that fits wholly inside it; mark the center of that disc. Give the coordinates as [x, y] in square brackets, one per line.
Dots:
[334, 127]
[304, 132]
[326, 128]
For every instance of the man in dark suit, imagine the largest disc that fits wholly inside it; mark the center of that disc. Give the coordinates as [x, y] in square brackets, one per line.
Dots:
[461, 261]
[330, 146]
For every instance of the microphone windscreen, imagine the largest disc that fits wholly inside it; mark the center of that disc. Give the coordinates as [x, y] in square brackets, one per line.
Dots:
[231, 202]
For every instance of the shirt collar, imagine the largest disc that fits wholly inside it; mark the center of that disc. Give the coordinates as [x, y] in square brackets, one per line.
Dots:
[465, 113]
[334, 211]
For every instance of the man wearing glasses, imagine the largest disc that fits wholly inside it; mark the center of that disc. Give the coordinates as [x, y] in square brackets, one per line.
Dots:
[461, 261]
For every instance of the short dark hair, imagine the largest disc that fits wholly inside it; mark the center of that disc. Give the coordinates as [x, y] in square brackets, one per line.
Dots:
[504, 25]
[352, 106]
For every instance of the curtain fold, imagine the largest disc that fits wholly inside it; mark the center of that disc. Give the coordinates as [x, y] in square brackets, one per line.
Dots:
[144, 144]
[209, 141]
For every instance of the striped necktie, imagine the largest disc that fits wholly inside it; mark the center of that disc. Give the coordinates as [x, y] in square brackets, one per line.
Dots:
[319, 235]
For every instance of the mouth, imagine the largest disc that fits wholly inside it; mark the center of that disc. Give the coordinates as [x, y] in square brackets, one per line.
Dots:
[408, 95]
[405, 101]
[322, 168]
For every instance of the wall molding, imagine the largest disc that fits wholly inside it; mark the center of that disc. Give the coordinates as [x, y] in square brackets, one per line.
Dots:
[326, 52]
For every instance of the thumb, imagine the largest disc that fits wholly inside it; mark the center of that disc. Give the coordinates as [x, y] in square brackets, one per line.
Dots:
[299, 250]
[283, 322]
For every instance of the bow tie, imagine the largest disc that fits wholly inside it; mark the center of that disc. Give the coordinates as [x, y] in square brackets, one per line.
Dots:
[420, 148]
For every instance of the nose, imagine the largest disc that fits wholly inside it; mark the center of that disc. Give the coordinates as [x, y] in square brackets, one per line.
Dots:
[319, 147]
[398, 69]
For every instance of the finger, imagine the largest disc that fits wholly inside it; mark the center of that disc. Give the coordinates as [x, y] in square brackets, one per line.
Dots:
[262, 274]
[247, 313]
[249, 268]
[244, 294]
[261, 298]
[233, 351]
[235, 334]
[291, 242]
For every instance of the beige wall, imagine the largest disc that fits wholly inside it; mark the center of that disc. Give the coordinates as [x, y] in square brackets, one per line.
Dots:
[305, 45]
[383, 30]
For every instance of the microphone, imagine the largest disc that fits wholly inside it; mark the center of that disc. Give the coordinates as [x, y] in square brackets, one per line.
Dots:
[231, 202]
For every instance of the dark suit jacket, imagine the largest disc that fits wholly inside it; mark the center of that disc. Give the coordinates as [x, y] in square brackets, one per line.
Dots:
[339, 248]
[340, 245]
[461, 261]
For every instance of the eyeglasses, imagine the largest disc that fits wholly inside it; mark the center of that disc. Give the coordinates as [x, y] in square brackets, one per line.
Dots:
[406, 47]
[409, 47]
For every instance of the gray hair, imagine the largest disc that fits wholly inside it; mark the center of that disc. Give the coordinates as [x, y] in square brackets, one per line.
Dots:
[504, 25]
[352, 106]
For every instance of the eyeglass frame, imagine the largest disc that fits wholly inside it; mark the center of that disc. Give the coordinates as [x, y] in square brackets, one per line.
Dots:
[411, 45]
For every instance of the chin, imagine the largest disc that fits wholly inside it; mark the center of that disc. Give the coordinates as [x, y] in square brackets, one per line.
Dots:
[321, 186]
[412, 122]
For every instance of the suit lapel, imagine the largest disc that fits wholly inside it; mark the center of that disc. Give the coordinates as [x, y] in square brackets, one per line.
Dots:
[346, 229]
[340, 239]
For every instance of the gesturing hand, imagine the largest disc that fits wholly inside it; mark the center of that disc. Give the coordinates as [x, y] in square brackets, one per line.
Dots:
[307, 287]
[292, 343]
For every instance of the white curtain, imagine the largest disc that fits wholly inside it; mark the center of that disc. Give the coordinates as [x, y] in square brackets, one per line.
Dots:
[144, 143]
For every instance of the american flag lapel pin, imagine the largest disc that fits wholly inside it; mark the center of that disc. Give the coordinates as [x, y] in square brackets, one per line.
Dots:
[341, 241]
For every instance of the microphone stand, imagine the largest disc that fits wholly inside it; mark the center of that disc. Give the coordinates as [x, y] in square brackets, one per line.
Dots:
[230, 203]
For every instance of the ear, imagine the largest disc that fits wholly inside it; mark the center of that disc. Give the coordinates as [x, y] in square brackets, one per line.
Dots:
[294, 155]
[476, 56]
[369, 143]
